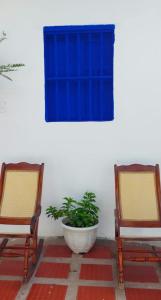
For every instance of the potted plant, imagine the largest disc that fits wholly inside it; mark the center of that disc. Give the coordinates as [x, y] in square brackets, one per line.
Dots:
[80, 221]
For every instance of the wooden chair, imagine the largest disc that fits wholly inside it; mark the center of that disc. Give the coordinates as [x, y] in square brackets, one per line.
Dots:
[138, 205]
[20, 196]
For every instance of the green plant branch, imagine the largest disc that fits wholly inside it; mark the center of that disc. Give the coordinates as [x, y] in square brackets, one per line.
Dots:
[3, 36]
[9, 67]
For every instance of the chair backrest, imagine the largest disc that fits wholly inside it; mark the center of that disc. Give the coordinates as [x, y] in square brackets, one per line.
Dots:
[20, 193]
[138, 201]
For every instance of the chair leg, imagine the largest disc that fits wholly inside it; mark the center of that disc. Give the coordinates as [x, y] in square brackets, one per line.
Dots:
[26, 258]
[120, 262]
[34, 245]
[3, 244]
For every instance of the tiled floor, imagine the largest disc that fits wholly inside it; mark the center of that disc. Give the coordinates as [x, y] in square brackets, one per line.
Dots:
[63, 275]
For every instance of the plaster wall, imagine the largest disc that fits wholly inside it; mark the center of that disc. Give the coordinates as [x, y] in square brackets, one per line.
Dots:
[79, 157]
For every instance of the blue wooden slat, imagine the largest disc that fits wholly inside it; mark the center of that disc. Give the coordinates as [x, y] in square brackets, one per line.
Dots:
[79, 28]
[78, 77]
[68, 106]
[79, 106]
[90, 73]
[101, 72]
[56, 110]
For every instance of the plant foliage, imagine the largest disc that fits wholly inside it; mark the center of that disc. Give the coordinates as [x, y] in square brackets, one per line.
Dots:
[79, 213]
[9, 67]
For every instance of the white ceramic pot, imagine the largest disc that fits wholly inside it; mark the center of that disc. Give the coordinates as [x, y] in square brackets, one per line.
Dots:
[78, 239]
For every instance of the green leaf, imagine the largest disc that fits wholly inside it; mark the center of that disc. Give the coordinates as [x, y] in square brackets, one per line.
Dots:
[80, 213]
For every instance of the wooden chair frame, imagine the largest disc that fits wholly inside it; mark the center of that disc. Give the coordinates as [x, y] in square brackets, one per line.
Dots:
[30, 247]
[120, 222]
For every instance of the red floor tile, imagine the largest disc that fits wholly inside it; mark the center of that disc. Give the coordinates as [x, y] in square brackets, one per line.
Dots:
[11, 267]
[57, 251]
[136, 254]
[128, 255]
[15, 250]
[55, 270]
[96, 293]
[142, 294]
[47, 292]
[158, 249]
[141, 274]
[99, 252]
[96, 272]
[9, 289]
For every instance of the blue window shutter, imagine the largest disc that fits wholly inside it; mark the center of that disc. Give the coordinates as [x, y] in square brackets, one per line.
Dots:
[79, 73]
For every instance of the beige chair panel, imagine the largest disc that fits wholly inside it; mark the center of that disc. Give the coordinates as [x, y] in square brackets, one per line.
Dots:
[19, 194]
[138, 196]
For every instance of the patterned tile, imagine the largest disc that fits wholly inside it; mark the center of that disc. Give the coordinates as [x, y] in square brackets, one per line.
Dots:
[96, 293]
[57, 251]
[53, 270]
[47, 292]
[96, 272]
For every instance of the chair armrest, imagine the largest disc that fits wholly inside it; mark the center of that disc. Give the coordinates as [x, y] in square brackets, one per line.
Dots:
[117, 228]
[34, 219]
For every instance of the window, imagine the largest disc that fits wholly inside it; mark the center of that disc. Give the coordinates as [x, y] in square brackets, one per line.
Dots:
[79, 73]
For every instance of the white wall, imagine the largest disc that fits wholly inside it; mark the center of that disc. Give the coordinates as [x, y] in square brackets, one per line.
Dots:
[80, 156]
